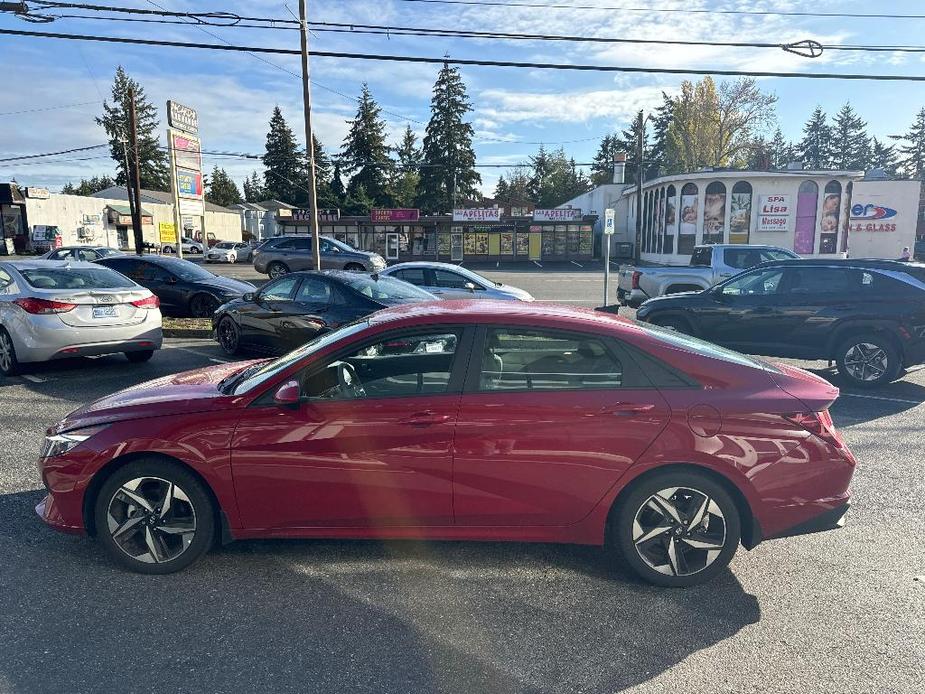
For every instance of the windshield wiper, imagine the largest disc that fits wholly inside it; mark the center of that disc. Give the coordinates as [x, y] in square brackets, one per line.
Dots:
[228, 383]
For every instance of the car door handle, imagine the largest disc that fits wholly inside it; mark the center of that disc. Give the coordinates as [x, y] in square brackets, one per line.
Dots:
[423, 419]
[627, 409]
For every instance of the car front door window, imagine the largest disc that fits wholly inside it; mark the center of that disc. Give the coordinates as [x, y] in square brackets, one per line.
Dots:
[280, 290]
[762, 283]
[445, 279]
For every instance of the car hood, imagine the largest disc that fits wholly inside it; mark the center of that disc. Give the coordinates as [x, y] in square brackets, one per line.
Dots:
[187, 392]
[670, 300]
[227, 284]
[521, 294]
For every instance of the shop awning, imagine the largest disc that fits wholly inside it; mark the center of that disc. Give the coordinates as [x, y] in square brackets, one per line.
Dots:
[122, 215]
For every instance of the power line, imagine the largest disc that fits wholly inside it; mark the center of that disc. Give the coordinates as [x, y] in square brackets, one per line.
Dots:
[52, 154]
[50, 108]
[475, 62]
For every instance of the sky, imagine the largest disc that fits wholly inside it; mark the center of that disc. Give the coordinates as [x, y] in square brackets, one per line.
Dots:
[514, 109]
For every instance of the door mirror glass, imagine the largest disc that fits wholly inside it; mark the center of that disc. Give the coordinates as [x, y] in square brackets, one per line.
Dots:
[171, 279]
[249, 296]
[288, 394]
[471, 286]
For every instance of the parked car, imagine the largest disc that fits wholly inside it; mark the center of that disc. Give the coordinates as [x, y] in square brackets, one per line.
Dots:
[189, 246]
[85, 253]
[448, 281]
[282, 254]
[291, 310]
[467, 421]
[229, 252]
[865, 315]
[184, 288]
[56, 310]
[709, 265]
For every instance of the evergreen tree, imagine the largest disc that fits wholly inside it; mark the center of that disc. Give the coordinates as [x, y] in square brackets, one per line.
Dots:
[221, 189]
[337, 185]
[448, 146]
[284, 164]
[88, 186]
[760, 156]
[365, 154]
[850, 142]
[358, 201]
[911, 156]
[253, 189]
[323, 178]
[629, 143]
[781, 151]
[153, 165]
[514, 191]
[660, 156]
[555, 179]
[407, 174]
[602, 166]
[815, 149]
[883, 156]
[502, 191]
[539, 180]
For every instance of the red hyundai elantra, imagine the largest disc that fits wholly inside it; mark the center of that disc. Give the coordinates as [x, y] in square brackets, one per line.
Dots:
[461, 421]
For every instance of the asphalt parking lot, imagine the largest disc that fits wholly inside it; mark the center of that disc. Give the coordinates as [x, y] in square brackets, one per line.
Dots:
[835, 612]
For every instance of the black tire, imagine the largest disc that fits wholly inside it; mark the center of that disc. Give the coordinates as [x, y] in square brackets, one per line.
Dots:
[354, 267]
[9, 364]
[697, 564]
[228, 335]
[277, 269]
[190, 507]
[676, 323]
[203, 306]
[169, 250]
[868, 360]
[139, 357]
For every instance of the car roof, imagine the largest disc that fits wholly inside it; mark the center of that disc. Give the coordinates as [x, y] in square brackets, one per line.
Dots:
[46, 264]
[869, 263]
[425, 263]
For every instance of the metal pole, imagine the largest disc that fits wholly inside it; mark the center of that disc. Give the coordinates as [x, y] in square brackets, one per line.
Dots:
[309, 138]
[128, 182]
[136, 176]
[640, 124]
[606, 268]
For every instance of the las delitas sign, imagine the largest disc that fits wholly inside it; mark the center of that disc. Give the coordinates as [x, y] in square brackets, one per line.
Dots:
[773, 212]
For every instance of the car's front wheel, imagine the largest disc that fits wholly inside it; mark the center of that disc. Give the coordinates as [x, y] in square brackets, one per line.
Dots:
[153, 516]
[229, 336]
[868, 360]
[677, 528]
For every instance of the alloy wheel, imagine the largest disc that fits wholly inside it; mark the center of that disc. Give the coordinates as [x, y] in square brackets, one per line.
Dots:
[679, 531]
[6, 352]
[277, 270]
[866, 361]
[151, 520]
[228, 335]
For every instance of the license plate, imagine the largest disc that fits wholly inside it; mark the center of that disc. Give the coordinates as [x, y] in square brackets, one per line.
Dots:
[105, 312]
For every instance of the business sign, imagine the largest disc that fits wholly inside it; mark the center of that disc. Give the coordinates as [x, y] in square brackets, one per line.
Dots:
[187, 152]
[167, 232]
[182, 118]
[866, 216]
[478, 214]
[189, 183]
[394, 215]
[609, 226]
[304, 215]
[774, 212]
[564, 214]
[37, 193]
[192, 208]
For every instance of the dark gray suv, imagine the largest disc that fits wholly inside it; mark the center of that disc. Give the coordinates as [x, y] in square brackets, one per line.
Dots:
[284, 254]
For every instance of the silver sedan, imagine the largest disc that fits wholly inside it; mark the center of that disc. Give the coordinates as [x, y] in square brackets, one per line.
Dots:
[448, 281]
[53, 310]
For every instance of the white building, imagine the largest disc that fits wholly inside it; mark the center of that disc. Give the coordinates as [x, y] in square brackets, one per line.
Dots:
[260, 219]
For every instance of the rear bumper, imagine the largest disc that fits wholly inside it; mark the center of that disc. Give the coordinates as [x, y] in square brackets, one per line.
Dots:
[49, 338]
[632, 298]
[831, 519]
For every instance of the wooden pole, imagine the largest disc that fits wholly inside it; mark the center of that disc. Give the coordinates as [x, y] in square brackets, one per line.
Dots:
[135, 175]
[309, 138]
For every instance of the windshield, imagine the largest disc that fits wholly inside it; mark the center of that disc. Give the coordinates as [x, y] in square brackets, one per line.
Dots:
[106, 252]
[224, 244]
[254, 376]
[184, 269]
[76, 278]
[703, 348]
[340, 244]
[386, 289]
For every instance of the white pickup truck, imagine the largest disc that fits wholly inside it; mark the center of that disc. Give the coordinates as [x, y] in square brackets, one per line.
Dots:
[709, 265]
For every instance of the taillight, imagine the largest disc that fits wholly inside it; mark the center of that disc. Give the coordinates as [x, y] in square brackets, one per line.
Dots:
[819, 424]
[635, 280]
[43, 306]
[150, 302]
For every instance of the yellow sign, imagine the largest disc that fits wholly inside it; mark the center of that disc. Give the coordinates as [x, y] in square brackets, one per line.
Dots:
[168, 232]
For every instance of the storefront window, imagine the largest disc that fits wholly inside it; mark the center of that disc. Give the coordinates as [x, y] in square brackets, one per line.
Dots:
[687, 234]
[714, 213]
[443, 243]
[671, 220]
[660, 239]
[586, 243]
[831, 211]
[646, 222]
[804, 237]
[507, 243]
[561, 244]
[740, 217]
[573, 239]
[522, 241]
[549, 242]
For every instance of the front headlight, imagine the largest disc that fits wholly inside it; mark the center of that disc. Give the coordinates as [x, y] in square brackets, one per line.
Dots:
[59, 444]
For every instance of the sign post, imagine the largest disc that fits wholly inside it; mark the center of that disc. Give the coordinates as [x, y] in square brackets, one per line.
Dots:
[185, 152]
[608, 232]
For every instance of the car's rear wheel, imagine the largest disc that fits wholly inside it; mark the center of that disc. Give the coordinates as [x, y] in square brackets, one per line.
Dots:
[229, 336]
[677, 528]
[9, 364]
[168, 249]
[868, 360]
[676, 323]
[277, 269]
[139, 357]
[354, 267]
[203, 305]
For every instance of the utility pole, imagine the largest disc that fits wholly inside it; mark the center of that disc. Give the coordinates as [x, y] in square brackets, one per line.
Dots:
[640, 139]
[128, 180]
[135, 175]
[309, 138]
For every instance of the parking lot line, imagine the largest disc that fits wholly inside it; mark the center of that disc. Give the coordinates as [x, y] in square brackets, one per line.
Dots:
[880, 397]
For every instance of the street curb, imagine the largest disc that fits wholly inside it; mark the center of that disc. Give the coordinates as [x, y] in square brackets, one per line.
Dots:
[187, 332]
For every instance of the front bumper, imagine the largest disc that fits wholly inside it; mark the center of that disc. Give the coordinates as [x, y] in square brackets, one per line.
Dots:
[49, 511]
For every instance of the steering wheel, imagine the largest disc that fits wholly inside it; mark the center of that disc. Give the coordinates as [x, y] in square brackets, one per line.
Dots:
[348, 381]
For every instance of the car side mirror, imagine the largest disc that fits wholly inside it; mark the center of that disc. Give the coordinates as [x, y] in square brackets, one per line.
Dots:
[470, 286]
[249, 296]
[288, 395]
[171, 280]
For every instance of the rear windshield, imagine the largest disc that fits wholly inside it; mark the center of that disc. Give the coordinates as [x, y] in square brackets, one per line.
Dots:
[184, 269]
[703, 348]
[76, 278]
[224, 244]
[386, 289]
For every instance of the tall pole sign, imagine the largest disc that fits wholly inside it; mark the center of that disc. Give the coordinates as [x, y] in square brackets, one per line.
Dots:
[608, 233]
[185, 149]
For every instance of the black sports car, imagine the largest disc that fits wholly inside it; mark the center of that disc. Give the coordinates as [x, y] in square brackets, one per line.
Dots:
[184, 288]
[293, 309]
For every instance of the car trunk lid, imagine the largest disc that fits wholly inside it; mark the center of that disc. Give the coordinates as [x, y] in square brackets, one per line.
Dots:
[101, 307]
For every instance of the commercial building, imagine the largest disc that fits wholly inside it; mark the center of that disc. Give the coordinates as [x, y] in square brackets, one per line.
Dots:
[258, 219]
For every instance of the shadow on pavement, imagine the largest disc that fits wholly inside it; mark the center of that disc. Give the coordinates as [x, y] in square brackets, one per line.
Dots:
[863, 405]
[326, 616]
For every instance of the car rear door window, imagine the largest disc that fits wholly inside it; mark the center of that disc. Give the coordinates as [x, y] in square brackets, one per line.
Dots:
[414, 275]
[314, 291]
[280, 290]
[815, 281]
[450, 280]
[127, 266]
[514, 359]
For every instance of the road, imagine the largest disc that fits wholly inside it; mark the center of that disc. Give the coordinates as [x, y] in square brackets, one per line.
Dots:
[835, 612]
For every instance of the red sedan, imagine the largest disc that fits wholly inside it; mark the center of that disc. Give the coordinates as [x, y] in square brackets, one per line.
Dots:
[461, 421]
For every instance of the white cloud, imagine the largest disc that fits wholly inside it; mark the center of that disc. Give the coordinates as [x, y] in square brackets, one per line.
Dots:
[505, 106]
